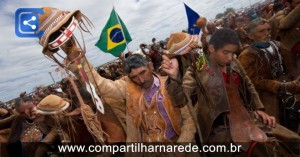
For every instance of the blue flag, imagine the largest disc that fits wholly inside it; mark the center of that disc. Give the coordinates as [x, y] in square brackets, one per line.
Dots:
[192, 19]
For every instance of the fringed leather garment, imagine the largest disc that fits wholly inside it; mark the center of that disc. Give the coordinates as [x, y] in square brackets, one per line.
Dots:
[242, 129]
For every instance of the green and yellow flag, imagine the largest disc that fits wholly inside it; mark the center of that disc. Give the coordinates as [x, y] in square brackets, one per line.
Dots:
[112, 37]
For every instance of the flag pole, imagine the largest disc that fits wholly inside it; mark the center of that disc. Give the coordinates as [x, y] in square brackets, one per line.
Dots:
[250, 3]
[121, 29]
[52, 77]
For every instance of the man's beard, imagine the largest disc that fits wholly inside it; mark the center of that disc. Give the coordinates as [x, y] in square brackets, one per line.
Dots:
[266, 38]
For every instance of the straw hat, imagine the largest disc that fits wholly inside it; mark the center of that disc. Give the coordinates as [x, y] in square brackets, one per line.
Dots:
[51, 104]
[51, 22]
[181, 43]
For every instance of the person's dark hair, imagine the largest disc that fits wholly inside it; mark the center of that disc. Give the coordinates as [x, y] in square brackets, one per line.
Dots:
[277, 6]
[127, 55]
[224, 37]
[101, 72]
[134, 61]
[18, 102]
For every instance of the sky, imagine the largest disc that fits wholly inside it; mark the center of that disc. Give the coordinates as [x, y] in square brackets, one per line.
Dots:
[23, 66]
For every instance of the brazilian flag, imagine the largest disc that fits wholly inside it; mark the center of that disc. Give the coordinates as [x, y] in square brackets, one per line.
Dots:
[112, 37]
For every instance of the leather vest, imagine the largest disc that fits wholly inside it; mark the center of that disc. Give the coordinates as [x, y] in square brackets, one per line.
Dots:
[242, 129]
[147, 116]
[213, 83]
[271, 66]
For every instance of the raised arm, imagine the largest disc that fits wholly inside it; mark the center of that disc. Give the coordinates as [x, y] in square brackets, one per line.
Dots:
[291, 19]
[108, 89]
[175, 85]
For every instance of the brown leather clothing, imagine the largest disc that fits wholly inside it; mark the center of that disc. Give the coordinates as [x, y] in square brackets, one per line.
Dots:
[213, 112]
[212, 81]
[153, 125]
[123, 97]
[260, 70]
[285, 27]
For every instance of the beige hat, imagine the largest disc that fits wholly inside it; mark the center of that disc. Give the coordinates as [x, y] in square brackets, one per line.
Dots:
[181, 43]
[51, 22]
[52, 104]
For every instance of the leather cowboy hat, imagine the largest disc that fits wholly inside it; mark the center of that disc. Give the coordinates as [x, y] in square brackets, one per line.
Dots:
[51, 105]
[181, 43]
[58, 27]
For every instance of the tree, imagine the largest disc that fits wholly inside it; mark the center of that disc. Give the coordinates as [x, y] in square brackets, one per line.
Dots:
[219, 15]
[228, 10]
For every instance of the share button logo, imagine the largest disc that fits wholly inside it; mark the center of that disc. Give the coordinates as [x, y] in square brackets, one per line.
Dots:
[27, 22]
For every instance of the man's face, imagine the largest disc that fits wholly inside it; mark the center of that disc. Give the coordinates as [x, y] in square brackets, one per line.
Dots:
[25, 108]
[142, 76]
[211, 27]
[22, 107]
[261, 33]
[223, 56]
[240, 24]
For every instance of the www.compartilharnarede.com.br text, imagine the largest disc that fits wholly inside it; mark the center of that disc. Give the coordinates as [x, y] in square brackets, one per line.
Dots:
[149, 148]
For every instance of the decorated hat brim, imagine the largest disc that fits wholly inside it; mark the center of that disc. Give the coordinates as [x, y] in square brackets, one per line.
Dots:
[57, 27]
[184, 49]
[52, 112]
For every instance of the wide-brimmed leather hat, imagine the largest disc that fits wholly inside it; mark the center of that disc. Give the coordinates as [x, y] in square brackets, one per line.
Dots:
[181, 43]
[52, 104]
[58, 27]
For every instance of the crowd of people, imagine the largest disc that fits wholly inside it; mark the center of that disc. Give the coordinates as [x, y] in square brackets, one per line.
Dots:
[238, 81]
